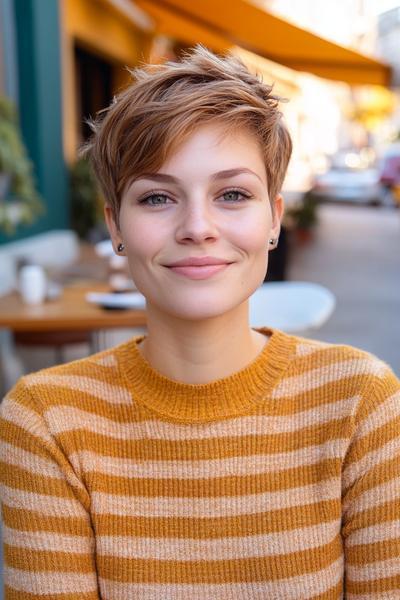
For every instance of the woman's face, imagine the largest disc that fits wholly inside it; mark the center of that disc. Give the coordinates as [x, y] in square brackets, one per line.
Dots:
[196, 232]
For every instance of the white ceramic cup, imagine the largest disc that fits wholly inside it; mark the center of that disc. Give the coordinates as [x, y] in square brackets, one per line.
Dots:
[32, 284]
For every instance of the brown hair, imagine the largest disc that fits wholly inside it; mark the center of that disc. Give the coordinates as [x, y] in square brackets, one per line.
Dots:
[165, 103]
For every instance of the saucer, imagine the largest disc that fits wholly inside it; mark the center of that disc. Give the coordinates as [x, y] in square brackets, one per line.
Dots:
[118, 300]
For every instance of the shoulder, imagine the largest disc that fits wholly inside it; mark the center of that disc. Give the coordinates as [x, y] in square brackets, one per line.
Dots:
[340, 357]
[339, 368]
[80, 383]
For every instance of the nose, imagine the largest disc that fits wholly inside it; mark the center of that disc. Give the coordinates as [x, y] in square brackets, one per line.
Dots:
[197, 223]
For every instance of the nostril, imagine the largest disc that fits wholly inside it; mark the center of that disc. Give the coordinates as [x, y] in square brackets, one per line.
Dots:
[197, 230]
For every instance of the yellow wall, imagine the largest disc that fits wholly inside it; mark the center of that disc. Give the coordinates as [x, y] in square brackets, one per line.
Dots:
[103, 30]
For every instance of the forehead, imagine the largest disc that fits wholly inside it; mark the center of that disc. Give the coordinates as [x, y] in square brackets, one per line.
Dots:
[216, 143]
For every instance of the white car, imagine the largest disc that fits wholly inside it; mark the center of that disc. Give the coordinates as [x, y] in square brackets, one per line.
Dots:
[349, 184]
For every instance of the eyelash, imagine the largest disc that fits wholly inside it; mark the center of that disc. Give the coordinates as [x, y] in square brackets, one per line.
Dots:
[245, 196]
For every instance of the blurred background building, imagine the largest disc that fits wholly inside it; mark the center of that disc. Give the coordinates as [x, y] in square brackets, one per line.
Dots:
[62, 61]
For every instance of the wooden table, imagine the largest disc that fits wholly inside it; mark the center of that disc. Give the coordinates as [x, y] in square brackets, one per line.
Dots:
[68, 313]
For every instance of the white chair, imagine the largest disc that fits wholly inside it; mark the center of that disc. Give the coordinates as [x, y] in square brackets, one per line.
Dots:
[291, 306]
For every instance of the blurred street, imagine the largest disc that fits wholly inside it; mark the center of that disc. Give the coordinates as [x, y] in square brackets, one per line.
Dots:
[355, 253]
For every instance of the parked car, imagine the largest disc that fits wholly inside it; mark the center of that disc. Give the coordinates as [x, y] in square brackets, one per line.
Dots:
[389, 168]
[389, 174]
[348, 184]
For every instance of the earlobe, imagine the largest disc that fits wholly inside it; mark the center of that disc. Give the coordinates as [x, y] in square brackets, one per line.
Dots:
[273, 243]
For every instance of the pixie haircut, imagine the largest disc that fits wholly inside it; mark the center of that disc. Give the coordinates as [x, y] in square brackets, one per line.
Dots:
[165, 103]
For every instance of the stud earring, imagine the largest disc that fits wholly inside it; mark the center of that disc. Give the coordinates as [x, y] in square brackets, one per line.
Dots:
[273, 242]
[120, 247]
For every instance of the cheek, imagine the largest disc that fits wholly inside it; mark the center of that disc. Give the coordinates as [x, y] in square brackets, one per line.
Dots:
[142, 239]
[253, 233]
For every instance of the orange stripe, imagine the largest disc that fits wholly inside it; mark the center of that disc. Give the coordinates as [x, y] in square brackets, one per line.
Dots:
[240, 485]
[214, 527]
[220, 506]
[381, 588]
[29, 520]
[209, 449]
[323, 585]
[264, 569]
[68, 562]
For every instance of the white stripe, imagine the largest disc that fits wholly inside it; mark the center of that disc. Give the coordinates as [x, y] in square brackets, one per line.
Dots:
[371, 460]
[372, 498]
[375, 570]
[41, 503]
[13, 455]
[255, 464]
[227, 548]
[290, 588]
[381, 415]
[113, 394]
[47, 541]
[18, 414]
[68, 418]
[224, 506]
[315, 378]
[108, 360]
[304, 349]
[44, 583]
[379, 532]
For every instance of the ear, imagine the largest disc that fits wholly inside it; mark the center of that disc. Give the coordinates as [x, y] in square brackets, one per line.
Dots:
[277, 214]
[112, 227]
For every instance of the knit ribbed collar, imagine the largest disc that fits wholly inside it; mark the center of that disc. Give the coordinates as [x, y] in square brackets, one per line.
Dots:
[236, 394]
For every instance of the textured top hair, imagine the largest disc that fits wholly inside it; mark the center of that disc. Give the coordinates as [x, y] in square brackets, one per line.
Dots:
[167, 102]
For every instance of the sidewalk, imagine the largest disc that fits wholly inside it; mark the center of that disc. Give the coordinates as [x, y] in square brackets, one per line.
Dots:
[356, 254]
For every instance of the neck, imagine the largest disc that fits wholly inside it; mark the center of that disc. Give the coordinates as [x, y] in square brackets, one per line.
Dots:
[200, 351]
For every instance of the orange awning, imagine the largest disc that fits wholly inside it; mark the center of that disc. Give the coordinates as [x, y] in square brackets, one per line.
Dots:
[219, 24]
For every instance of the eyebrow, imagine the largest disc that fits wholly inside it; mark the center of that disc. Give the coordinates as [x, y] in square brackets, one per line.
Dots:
[164, 178]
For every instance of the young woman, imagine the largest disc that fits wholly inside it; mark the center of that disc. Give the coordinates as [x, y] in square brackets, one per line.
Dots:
[205, 459]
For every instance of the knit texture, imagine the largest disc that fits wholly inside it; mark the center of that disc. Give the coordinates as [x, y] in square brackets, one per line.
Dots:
[281, 481]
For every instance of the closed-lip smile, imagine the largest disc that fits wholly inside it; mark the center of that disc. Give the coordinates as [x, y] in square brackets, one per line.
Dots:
[198, 261]
[198, 267]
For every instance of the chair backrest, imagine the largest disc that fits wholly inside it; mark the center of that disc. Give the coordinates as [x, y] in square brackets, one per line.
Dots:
[293, 306]
[57, 248]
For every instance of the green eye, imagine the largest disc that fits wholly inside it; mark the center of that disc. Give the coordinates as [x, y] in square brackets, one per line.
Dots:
[234, 196]
[155, 199]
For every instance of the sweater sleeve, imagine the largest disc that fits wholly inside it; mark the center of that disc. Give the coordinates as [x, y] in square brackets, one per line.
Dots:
[47, 534]
[371, 492]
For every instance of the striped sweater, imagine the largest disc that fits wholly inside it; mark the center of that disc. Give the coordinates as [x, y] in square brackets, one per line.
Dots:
[281, 481]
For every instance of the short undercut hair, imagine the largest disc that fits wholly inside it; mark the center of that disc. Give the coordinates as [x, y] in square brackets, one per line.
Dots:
[167, 102]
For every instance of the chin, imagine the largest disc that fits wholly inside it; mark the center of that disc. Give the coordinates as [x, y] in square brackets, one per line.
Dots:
[202, 307]
[198, 313]
[197, 316]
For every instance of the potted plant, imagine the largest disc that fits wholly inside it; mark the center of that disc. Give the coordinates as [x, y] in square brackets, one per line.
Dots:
[19, 201]
[302, 217]
[86, 203]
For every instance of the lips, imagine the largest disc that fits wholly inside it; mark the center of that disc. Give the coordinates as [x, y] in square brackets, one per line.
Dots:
[199, 261]
[202, 267]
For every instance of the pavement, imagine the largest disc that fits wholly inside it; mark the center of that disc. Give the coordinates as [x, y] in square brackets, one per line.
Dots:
[355, 252]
